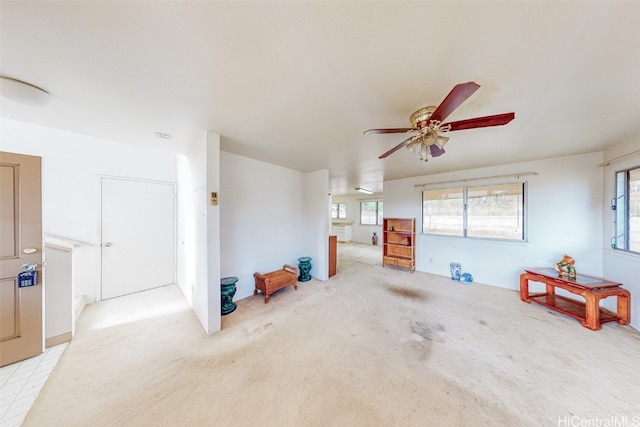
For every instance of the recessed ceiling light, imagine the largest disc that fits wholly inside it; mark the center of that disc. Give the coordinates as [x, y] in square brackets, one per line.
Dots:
[364, 190]
[163, 135]
[23, 92]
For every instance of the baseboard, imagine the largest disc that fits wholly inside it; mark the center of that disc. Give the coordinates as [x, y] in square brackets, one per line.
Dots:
[59, 339]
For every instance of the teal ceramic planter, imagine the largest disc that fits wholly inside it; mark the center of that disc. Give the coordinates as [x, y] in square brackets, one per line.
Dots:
[227, 291]
[304, 265]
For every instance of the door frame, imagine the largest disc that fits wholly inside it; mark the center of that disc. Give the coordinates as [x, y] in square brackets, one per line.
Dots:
[98, 288]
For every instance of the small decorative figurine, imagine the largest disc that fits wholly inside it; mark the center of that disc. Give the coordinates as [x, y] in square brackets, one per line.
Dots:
[566, 267]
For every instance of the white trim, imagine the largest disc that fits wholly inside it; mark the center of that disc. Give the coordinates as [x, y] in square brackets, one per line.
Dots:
[615, 159]
[512, 175]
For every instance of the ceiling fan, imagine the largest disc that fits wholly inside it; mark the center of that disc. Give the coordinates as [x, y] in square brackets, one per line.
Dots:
[427, 121]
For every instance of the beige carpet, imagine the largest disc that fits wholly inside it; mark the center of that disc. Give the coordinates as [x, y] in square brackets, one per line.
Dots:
[372, 346]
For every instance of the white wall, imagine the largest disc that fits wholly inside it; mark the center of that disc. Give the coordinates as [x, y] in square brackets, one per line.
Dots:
[270, 216]
[564, 216]
[59, 316]
[620, 266]
[199, 230]
[71, 167]
[361, 233]
[316, 228]
[213, 234]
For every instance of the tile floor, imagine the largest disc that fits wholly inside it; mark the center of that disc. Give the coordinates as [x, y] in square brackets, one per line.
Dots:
[21, 382]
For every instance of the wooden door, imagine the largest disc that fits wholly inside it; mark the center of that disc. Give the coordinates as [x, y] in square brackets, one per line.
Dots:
[138, 236]
[20, 243]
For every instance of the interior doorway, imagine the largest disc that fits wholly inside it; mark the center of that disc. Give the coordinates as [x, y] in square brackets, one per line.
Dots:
[351, 252]
[138, 231]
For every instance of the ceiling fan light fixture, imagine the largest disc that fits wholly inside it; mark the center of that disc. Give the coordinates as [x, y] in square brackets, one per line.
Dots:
[364, 190]
[429, 138]
[423, 151]
[413, 145]
[435, 150]
[429, 144]
[441, 141]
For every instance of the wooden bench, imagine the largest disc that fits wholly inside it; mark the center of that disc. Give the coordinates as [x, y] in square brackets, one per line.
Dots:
[270, 282]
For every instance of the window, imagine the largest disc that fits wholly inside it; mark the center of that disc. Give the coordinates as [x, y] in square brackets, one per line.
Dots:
[371, 213]
[443, 212]
[339, 210]
[495, 211]
[627, 211]
[490, 211]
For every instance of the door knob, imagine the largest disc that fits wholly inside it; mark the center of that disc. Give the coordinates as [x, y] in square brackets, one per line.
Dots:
[108, 244]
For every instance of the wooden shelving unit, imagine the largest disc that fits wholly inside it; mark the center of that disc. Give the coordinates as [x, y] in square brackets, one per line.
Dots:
[398, 242]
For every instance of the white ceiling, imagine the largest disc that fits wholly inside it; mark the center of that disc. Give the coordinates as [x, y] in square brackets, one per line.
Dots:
[297, 83]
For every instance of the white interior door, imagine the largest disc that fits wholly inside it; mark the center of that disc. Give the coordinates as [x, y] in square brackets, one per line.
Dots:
[138, 236]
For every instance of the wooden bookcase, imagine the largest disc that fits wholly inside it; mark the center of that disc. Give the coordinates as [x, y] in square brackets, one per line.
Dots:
[399, 242]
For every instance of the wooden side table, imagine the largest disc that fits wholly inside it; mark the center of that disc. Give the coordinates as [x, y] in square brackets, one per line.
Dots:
[592, 289]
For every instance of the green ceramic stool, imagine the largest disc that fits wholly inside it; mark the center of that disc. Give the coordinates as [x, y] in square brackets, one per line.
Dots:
[227, 291]
[304, 265]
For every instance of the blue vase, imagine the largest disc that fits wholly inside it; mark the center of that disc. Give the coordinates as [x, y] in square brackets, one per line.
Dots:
[466, 278]
[456, 270]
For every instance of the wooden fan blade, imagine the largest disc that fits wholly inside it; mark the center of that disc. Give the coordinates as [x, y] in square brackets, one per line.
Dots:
[482, 122]
[397, 147]
[393, 130]
[456, 97]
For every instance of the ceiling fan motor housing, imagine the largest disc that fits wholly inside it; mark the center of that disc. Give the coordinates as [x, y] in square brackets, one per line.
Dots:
[420, 119]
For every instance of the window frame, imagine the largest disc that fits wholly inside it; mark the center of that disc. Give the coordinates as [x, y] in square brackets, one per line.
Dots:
[455, 197]
[378, 210]
[463, 220]
[338, 210]
[622, 205]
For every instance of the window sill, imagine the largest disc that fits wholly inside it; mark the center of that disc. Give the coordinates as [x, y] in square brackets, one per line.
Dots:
[630, 256]
[476, 239]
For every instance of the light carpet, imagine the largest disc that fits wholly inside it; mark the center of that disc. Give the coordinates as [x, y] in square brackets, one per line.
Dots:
[371, 346]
